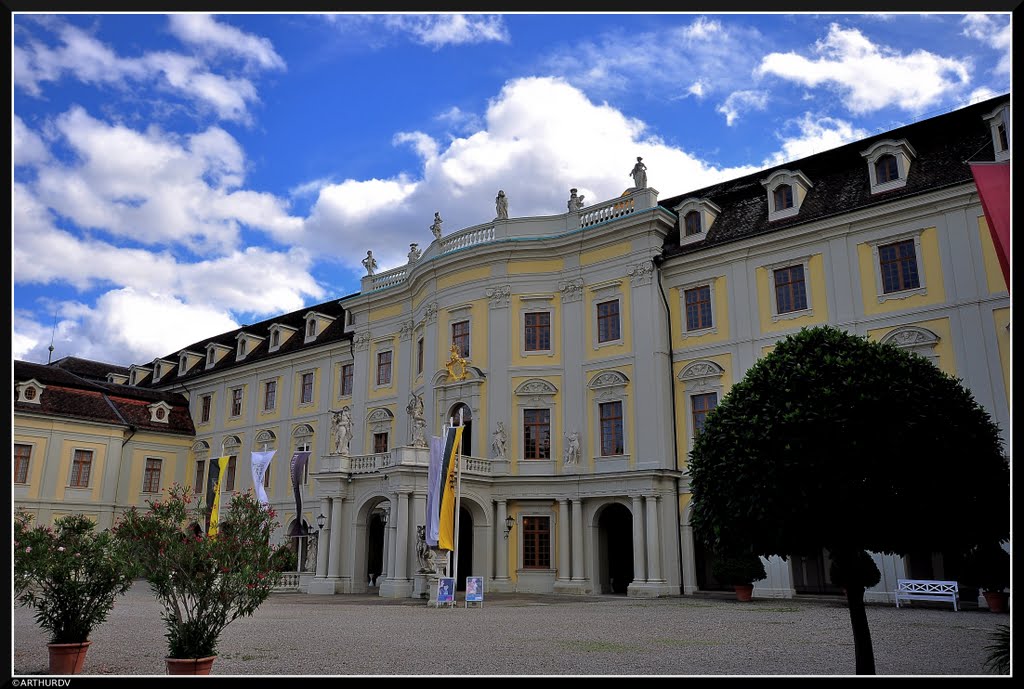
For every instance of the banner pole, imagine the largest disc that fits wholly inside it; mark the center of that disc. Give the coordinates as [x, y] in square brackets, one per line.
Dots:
[458, 499]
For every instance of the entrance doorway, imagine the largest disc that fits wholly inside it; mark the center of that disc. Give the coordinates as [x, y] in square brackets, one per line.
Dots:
[375, 548]
[615, 548]
[465, 553]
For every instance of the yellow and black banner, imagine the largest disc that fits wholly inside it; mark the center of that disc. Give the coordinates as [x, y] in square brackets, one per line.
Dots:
[446, 531]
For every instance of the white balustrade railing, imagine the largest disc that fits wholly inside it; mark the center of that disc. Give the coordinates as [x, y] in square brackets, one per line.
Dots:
[476, 465]
[467, 238]
[289, 582]
[395, 276]
[367, 464]
[608, 211]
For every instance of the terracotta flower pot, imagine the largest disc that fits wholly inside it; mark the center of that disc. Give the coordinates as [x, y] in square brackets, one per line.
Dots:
[67, 659]
[190, 666]
[744, 592]
[997, 601]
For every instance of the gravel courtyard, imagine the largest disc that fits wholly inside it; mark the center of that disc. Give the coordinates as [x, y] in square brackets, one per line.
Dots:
[522, 634]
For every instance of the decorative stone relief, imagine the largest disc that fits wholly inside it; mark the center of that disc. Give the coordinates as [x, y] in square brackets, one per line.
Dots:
[641, 274]
[430, 314]
[572, 448]
[498, 296]
[341, 431]
[608, 384]
[379, 420]
[572, 290]
[535, 389]
[361, 341]
[916, 340]
[698, 374]
[407, 330]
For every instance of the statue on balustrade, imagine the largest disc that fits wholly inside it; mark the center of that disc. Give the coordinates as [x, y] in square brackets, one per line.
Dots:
[414, 252]
[341, 431]
[436, 227]
[575, 203]
[498, 446]
[370, 263]
[639, 174]
[501, 205]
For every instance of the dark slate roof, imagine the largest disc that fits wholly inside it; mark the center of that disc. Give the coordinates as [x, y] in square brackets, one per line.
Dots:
[89, 369]
[68, 395]
[840, 181]
[333, 333]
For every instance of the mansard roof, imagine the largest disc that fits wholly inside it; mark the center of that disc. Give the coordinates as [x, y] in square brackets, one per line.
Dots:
[840, 178]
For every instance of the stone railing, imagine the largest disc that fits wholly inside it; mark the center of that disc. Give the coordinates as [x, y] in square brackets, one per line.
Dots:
[476, 465]
[367, 464]
[395, 276]
[467, 238]
[289, 583]
[607, 211]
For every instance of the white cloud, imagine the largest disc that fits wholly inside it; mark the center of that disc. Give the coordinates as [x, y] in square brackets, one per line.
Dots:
[27, 147]
[439, 30]
[460, 120]
[424, 145]
[993, 33]
[869, 76]
[539, 140]
[740, 102]
[980, 94]
[814, 135]
[203, 31]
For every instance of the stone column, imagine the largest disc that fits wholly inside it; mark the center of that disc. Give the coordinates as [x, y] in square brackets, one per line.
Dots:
[577, 541]
[402, 537]
[639, 574]
[334, 564]
[653, 540]
[501, 549]
[389, 543]
[563, 539]
[321, 552]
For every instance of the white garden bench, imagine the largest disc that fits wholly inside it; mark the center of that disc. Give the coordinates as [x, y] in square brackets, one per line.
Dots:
[927, 589]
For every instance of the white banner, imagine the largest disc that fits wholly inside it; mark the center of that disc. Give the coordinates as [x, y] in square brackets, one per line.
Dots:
[260, 464]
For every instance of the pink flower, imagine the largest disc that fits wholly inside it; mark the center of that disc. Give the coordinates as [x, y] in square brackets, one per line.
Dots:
[28, 549]
[60, 549]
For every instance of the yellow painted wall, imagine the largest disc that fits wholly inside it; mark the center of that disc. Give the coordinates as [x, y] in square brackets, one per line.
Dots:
[550, 265]
[720, 315]
[604, 253]
[477, 314]
[137, 471]
[993, 273]
[301, 409]
[40, 444]
[515, 432]
[625, 318]
[99, 464]
[1002, 321]
[593, 422]
[383, 312]
[242, 419]
[198, 413]
[944, 348]
[518, 340]
[936, 291]
[393, 440]
[682, 416]
[463, 276]
[818, 301]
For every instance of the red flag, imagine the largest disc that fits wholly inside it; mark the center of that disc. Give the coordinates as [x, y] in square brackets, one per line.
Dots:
[993, 182]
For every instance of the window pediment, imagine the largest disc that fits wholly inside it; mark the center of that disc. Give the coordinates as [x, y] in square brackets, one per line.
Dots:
[137, 374]
[215, 352]
[696, 215]
[536, 388]
[316, 323]
[700, 373]
[160, 412]
[246, 343]
[775, 184]
[279, 334]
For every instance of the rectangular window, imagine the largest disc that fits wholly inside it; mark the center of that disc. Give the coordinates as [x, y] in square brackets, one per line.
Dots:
[307, 388]
[538, 331]
[608, 321]
[236, 402]
[898, 264]
[536, 543]
[536, 434]
[346, 379]
[311, 328]
[200, 473]
[209, 357]
[790, 290]
[22, 456]
[698, 308]
[204, 415]
[266, 478]
[270, 395]
[701, 405]
[886, 169]
[419, 356]
[611, 428]
[384, 368]
[229, 477]
[783, 197]
[275, 338]
[380, 442]
[81, 468]
[151, 480]
[460, 337]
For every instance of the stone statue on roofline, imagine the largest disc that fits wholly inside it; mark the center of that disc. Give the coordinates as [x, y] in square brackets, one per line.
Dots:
[639, 174]
[370, 263]
[575, 202]
[436, 227]
[501, 205]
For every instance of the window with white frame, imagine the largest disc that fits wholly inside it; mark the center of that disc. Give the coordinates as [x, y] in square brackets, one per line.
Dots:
[889, 164]
[236, 402]
[703, 382]
[151, 478]
[536, 317]
[696, 217]
[270, 395]
[347, 371]
[609, 390]
[306, 388]
[786, 192]
[898, 266]
[205, 404]
[999, 121]
[536, 534]
[22, 458]
[697, 308]
[384, 368]
[460, 337]
[608, 321]
[81, 469]
[536, 434]
[611, 428]
[789, 287]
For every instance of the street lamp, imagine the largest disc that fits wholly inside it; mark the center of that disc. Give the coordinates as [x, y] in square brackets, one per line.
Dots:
[510, 521]
[384, 517]
[320, 521]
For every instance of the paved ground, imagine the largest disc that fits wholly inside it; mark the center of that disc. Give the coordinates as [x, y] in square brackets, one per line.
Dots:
[517, 634]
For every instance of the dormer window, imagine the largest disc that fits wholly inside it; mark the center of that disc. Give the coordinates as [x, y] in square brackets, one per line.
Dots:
[30, 391]
[696, 217]
[999, 121]
[889, 164]
[246, 344]
[275, 339]
[214, 353]
[279, 334]
[159, 412]
[182, 365]
[786, 193]
[311, 328]
[316, 323]
[783, 197]
[209, 358]
[241, 348]
[137, 375]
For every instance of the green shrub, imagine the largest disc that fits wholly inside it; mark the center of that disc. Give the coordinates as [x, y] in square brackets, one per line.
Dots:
[738, 569]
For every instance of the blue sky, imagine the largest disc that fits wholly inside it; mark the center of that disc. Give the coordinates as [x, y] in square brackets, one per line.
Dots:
[176, 176]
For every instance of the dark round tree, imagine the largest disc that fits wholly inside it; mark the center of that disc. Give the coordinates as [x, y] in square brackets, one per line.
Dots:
[834, 441]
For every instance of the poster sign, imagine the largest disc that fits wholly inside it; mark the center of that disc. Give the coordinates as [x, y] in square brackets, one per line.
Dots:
[474, 589]
[446, 590]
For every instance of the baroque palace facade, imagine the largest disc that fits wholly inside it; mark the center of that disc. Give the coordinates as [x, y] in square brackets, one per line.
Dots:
[582, 351]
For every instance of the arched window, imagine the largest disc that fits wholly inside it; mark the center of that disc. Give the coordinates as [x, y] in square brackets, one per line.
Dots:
[783, 197]
[886, 169]
[467, 420]
[692, 222]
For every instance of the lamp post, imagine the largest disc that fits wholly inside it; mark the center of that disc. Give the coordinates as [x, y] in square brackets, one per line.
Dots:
[320, 521]
[510, 522]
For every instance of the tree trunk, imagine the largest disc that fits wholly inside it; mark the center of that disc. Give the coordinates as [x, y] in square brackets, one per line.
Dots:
[865, 655]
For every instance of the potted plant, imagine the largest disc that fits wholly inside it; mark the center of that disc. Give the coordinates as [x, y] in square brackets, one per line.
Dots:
[739, 570]
[203, 582]
[988, 568]
[71, 575]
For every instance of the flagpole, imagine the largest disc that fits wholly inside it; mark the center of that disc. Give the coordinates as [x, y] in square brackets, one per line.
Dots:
[458, 500]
